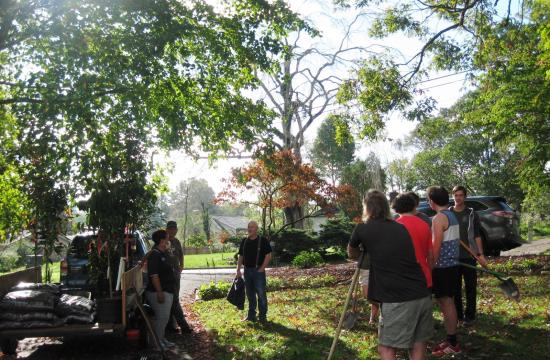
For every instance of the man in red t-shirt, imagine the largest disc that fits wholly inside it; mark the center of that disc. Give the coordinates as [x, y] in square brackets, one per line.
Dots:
[420, 232]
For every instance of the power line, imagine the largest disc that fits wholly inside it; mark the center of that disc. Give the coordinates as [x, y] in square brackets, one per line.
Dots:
[443, 76]
[438, 85]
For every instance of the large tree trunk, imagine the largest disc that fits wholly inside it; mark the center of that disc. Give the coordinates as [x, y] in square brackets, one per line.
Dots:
[294, 216]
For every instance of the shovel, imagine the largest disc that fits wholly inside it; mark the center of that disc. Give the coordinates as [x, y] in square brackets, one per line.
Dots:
[508, 286]
[351, 316]
[354, 281]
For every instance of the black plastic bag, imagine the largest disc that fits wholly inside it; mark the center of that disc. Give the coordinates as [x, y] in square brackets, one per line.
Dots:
[74, 305]
[79, 319]
[236, 294]
[52, 288]
[28, 300]
[7, 316]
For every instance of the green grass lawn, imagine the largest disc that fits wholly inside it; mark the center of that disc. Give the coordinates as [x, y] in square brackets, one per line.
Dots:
[209, 260]
[303, 322]
[541, 229]
[54, 269]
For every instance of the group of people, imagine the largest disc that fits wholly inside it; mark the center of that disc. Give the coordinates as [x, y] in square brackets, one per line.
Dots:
[412, 257]
[408, 257]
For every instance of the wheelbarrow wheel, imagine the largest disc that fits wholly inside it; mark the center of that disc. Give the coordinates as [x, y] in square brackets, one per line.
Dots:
[9, 346]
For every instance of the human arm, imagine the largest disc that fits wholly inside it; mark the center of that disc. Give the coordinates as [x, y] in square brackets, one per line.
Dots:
[477, 234]
[267, 259]
[267, 249]
[239, 265]
[153, 269]
[240, 259]
[439, 225]
[353, 245]
[158, 289]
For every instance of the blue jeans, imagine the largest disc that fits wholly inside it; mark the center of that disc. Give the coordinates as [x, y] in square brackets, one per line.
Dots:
[255, 286]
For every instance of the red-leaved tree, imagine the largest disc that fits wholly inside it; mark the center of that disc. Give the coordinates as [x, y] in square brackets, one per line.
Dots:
[283, 181]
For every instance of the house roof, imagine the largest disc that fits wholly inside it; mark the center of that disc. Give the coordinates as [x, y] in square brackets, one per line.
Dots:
[231, 224]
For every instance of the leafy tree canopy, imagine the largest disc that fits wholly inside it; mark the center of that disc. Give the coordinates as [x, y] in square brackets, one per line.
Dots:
[502, 48]
[332, 150]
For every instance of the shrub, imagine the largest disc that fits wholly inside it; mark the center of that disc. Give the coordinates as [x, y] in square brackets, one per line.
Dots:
[291, 242]
[336, 232]
[23, 250]
[307, 259]
[196, 240]
[8, 262]
[275, 283]
[307, 282]
[214, 290]
[335, 253]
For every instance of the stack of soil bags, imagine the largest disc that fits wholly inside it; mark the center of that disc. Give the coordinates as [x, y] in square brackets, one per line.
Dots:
[31, 306]
[75, 309]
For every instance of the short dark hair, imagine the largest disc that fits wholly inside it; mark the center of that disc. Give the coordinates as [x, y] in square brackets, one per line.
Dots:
[460, 188]
[414, 196]
[376, 205]
[438, 194]
[403, 203]
[171, 224]
[159, 235]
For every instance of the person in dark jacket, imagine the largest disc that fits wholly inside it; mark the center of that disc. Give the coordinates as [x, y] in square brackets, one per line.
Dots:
[175, 252]
[160, 288]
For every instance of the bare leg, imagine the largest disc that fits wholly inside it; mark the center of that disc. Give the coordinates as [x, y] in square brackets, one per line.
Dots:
[374, 311]
[386, 352]
[448, 309]
[418, 351]
[374, 307]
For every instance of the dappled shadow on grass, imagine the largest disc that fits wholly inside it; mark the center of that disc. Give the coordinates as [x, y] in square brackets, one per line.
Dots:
[494, 337]
[297, 344]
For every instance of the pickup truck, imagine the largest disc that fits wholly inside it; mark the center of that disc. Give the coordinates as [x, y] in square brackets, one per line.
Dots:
[131, 320]
[74, 268]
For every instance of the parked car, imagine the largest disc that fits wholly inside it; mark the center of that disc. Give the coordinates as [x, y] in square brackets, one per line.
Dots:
[74, 272]
[499, 222]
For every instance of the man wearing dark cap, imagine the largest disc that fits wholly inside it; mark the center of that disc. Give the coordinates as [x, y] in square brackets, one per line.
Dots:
[175, 255]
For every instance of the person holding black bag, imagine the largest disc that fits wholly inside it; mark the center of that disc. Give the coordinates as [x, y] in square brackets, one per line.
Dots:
[254, 256]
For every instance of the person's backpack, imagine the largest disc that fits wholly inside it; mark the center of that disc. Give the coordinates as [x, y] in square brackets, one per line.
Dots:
[236, 294]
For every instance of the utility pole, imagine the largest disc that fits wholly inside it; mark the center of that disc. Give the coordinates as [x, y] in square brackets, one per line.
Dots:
[185, 223]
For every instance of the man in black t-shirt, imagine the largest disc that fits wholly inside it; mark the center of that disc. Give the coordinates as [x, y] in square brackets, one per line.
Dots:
[396, 280]
[254, 256]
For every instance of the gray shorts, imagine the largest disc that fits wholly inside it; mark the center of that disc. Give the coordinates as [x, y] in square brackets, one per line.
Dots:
[403, 324]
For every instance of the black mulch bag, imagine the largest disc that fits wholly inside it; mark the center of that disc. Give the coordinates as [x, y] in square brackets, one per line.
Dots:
[74, 305]
[79, 319]
[6, 316]
[6, 325]
[28, 300]
[53, 288]
[236, 294]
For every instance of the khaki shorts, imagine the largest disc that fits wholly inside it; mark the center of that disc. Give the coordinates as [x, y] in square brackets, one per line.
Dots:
[403, 324]
[363, 277]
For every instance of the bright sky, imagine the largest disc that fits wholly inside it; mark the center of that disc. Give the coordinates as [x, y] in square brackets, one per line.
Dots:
[445, 90]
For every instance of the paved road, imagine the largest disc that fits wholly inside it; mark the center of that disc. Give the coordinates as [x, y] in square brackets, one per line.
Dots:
[533, 248]
[192, 279]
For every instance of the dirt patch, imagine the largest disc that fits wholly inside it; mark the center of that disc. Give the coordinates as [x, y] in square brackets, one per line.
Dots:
[341, 272]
